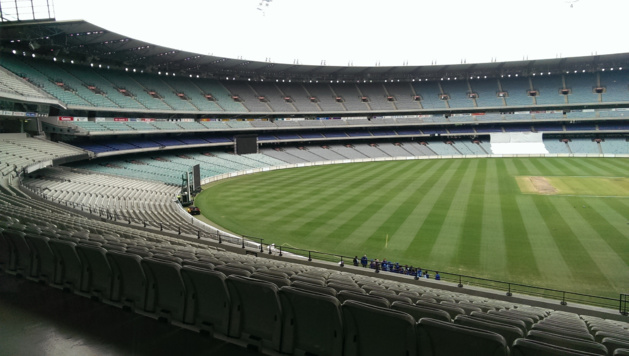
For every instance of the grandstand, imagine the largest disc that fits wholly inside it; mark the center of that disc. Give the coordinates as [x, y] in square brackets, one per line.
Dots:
[92, 157]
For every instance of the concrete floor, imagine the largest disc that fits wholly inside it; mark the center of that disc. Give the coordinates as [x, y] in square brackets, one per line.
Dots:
[39, 320]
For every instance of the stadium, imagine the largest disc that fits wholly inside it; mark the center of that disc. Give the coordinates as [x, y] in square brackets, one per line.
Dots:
[508, 180]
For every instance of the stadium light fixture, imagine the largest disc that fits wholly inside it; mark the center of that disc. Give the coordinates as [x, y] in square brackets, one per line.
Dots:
[14, 52]
[611, 68]
[72, 61]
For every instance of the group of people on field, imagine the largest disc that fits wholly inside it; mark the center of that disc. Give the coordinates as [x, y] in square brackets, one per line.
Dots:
[388, 266]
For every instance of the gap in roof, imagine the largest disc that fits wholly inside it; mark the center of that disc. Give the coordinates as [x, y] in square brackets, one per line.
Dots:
[365, 33]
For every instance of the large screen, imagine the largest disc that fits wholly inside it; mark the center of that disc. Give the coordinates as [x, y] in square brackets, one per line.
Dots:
[246, 144]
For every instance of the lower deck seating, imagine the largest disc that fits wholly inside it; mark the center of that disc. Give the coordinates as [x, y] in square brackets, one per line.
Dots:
[282, 306]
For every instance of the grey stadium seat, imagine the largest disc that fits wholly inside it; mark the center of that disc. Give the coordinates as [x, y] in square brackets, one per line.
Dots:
[510, 333]
[129, 280]
[20, 253]
[567, 342]
[501, 319]
[166, 293]
[69, 270]
[440, 338]
[44, 263]
[420, 311]
[312, 323]
[525, 347]
[97, 274]
[365, 298]
[451, 309]
[256, 314]
[208, 302]
[368, 326]
[313, 288]
[613, 343]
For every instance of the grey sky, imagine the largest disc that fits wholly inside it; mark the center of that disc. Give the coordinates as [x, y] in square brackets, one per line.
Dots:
[391, 32]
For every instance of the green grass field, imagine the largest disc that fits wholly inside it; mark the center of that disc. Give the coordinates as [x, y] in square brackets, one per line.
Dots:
[468, 216]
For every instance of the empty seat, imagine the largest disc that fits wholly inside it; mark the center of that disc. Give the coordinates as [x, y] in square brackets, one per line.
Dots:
[613, 343]
[525, 347]
[69, 269]
[527, 321]
[230, 270]
[365, 298]
[20, 255]
[420, 311]
[128, 279]
[278, 281]
[97, 274]
[501, 319]
[391, 297]
[563, 331]
[374, 330]
[208, 302]
[510, 333]
[313, 288]
[166, 293]
[256, 314]
[440, 338]
[567, 342]
[341, 286]
[451, 309]
[312, 323]
[311, 280]
[44, 263]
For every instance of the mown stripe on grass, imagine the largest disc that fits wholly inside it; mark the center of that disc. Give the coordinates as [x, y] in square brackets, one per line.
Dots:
[377, 210]
[619, 166]
[313, 198]
[468, 254]
[292, 185]
[570, 246]
[553, 167]
[452, 236]
[612, 268]
[492, 254]
[438, 203]
[370, 205]
[385, 221]
[546, 254]
[517, 244]
[327, 206]
[584, 167]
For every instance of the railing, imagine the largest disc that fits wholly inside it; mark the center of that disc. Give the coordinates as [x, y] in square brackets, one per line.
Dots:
[258, 244]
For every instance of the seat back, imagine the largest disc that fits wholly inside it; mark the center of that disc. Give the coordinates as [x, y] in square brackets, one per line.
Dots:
[440, 338]
[451, 309]
[44, 263]
[97, 274]
[20, 260]
[374, 331]
[526, 347]
[375, 300]
[256, 314]
[420, 311]
[313, 288]
[69, 270]
[166, 293]
[312, 322]
[208, 302]
[510, 333]
[129, 279]
[567, 342]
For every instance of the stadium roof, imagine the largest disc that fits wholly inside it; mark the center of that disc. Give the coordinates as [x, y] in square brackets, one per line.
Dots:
[84, 42]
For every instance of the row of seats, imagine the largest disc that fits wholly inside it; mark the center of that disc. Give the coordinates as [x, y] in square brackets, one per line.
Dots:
[286, 306]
